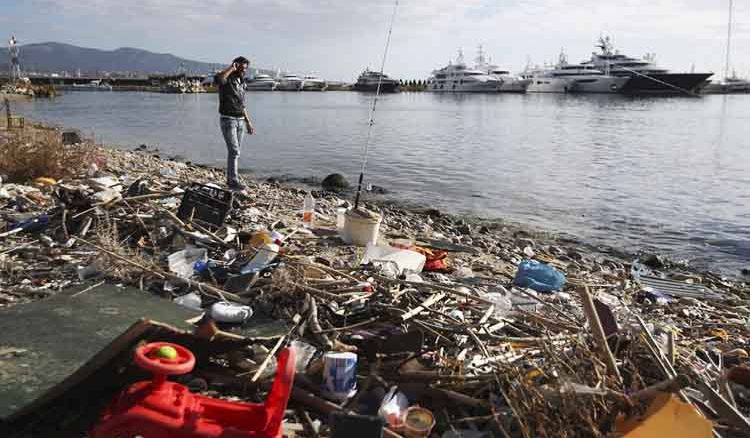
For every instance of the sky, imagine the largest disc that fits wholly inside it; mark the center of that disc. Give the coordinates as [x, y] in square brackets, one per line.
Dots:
[337, 39]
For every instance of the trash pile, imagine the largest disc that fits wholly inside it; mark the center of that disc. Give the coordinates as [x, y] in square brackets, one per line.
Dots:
[423, 324]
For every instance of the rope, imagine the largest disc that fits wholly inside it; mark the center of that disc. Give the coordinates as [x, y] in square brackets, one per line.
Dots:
[688, 92]
[371, 117]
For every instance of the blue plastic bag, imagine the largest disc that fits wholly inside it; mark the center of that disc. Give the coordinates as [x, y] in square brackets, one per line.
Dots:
[538, 276]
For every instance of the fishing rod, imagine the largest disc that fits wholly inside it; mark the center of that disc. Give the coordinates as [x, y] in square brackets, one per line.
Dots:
[371, 118]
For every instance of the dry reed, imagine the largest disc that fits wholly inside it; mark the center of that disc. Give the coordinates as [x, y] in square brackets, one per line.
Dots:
[26, 154]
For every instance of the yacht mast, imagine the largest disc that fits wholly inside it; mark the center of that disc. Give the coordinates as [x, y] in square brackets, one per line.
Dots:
[729, 40]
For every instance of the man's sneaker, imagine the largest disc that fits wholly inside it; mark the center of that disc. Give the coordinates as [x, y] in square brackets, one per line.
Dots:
[237, 187]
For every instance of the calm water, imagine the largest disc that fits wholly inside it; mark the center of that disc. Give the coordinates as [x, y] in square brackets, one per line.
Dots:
[664, 174]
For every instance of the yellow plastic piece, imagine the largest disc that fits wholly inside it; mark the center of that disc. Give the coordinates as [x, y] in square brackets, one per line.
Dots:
[44, 181]
[667, 417]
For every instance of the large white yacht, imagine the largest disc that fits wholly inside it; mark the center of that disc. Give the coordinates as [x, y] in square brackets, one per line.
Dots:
[572, 78]
[261, 82]
[510, 83]
[313, 83]
[290, 82]
[457, 78]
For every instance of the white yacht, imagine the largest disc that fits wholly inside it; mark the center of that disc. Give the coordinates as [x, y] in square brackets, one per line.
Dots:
[313, 83]
[261, 82]
[572, 78]
[289, 82]
[457, 78]
[510, 83]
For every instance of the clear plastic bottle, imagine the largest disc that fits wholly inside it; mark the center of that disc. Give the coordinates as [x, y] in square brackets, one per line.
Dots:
[308, 211]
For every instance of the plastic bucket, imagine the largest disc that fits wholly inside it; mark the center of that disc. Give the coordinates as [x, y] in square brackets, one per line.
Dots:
[418, 422]
[360, 231]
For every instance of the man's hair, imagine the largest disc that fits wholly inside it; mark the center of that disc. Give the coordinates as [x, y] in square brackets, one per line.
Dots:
[240, 60]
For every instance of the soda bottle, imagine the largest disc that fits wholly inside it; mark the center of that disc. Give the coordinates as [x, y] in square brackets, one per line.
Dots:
[308, 211]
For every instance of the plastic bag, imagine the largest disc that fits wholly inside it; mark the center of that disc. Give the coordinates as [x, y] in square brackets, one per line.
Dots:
[538, 276]
[393, 407]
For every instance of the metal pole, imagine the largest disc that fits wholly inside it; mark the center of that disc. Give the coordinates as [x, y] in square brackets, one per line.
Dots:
[729, 40]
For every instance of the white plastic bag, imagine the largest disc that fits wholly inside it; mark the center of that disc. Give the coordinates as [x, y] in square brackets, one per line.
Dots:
[393, 407]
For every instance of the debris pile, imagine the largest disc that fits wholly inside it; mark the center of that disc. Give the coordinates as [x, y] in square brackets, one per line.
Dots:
[438, 325]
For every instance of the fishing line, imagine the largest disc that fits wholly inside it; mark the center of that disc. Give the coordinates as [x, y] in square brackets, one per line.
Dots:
[371, 118]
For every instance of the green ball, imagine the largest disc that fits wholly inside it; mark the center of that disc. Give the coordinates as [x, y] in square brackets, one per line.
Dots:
[166, 352]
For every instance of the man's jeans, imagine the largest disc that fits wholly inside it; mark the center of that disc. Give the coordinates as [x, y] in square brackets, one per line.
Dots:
[233, 129]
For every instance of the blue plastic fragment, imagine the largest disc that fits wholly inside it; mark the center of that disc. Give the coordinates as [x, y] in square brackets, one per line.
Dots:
[538, 276]
[32, 225]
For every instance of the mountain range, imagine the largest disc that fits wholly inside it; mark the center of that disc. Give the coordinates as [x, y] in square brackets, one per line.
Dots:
[58, 57]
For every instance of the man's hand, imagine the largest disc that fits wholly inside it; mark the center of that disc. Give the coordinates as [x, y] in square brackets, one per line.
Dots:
[250, 127]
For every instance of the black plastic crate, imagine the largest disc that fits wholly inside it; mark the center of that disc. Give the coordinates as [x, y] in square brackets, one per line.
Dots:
[207, 205]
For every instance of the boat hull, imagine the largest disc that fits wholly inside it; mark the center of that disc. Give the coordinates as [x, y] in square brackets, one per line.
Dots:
[314, 86]
[473, 87]
[666, 84]
[738, 87]
[599, 84]
[549, 85]
[385, 87]
[260, 86]
[289, 86]
[514, 85]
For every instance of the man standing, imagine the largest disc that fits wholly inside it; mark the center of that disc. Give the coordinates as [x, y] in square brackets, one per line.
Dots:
[233, 116]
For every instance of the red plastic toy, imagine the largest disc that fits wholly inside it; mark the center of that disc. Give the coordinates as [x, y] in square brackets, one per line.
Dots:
[164, 409]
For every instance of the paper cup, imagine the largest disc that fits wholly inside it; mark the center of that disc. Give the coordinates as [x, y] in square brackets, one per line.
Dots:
[340, 375]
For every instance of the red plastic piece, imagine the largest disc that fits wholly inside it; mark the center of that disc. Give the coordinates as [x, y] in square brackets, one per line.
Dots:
[164, 409]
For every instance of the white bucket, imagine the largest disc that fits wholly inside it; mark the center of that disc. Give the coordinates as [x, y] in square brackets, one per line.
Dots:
[360, 231]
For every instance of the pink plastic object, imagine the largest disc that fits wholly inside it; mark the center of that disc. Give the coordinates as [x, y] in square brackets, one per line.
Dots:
[164, 409]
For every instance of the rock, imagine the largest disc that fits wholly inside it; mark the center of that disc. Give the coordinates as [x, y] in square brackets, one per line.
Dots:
[141, 147]
[745, 271]
[653, 261]
[335, 182]
[432, 212]
[484, 229]
[71, 136]
[377, 190]
[464, 229]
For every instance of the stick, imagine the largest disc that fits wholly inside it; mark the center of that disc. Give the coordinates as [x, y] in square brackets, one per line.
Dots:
[723, 407]
[670, 347]
[417, 285]
[202, 287]
[673, 385]
[272, 353]
[419, 309]
[87, 289]
[121, 258]
[598, 332]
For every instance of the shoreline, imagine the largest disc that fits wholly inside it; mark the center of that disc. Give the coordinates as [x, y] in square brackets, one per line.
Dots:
[389, 203]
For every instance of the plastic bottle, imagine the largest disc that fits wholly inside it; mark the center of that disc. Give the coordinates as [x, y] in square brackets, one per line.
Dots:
[308, 211]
